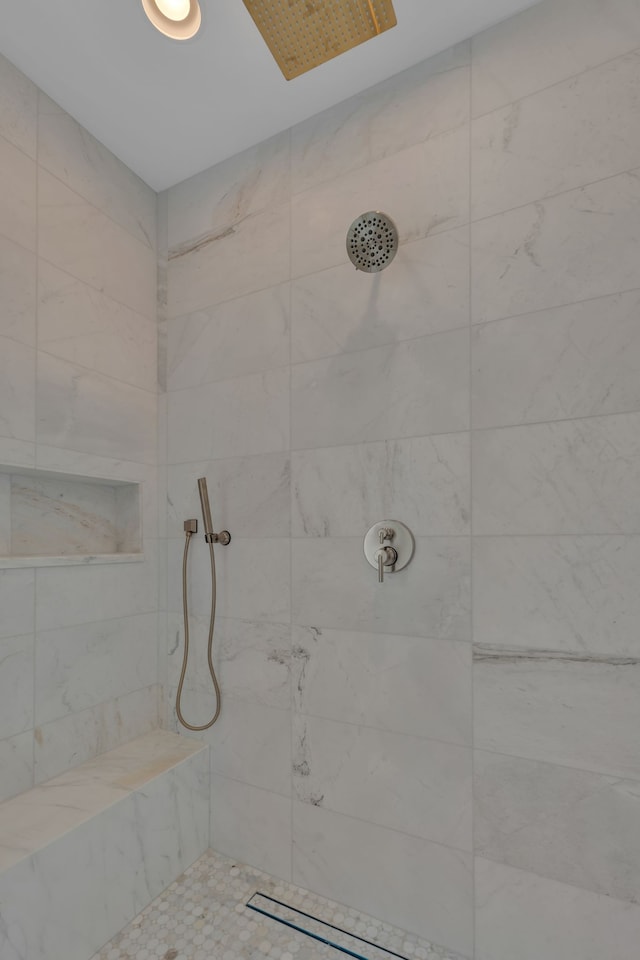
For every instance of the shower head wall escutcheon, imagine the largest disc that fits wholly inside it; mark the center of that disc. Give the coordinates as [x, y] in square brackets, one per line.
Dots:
[372, 241]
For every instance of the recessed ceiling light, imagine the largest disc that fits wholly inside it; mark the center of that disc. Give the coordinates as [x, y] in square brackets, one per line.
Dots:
[178, 19]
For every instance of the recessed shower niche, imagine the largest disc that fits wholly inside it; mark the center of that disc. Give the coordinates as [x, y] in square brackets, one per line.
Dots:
[48, 519]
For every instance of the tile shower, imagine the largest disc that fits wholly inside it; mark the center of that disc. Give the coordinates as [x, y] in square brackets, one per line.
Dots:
[453, 752]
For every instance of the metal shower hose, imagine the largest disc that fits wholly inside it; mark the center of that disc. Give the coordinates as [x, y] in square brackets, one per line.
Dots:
[185, 657]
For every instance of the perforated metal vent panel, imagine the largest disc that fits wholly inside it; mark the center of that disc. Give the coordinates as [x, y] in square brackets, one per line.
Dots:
[372, 241]
[302, 34]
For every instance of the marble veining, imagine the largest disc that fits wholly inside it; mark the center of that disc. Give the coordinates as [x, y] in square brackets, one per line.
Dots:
[501, 655]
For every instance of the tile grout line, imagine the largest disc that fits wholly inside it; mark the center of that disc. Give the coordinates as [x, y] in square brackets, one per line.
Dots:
[470, 454]
[357, 351]
[291, 512]
[92, 203]
[36, 577]
[564, 883]
[556, 83]
[545, 198]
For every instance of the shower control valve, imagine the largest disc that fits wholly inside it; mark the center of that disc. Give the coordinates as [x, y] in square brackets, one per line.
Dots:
[388, 546]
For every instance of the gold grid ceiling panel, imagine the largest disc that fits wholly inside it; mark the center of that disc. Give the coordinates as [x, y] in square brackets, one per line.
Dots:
[302, 34]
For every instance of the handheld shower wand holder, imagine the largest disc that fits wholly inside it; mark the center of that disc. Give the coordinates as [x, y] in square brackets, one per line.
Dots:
[224, 537]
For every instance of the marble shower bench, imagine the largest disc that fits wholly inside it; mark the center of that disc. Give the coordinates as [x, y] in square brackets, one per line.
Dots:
[84, 853]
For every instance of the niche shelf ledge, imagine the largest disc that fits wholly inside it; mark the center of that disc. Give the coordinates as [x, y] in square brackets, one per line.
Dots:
[68, 560]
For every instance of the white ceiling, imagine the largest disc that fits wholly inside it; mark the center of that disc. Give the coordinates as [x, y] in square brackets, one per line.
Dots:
[170, 109]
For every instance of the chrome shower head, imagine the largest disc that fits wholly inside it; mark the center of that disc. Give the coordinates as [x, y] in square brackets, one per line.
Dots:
[372, 241]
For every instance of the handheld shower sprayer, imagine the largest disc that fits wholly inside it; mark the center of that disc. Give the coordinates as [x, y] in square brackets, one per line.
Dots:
[224, 537]
[206, 509]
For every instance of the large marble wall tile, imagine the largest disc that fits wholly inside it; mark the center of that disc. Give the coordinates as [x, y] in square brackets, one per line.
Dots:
[580, 244]
[17, 390]
[251, 825]
[5, 513]
[417, 885]
[404, 684]
[424, 189]
[82, 325]
[522, 915]
[252, 743]
[572, 709]
[577, 476]
[334, 586]
[238, 337]
[80, 667]
[578, 827]
[171, 825]
[412, 784]
[17, 196]
[573, 133]
[558, 593]
[18, 286]
[253, 579]
[252, 660]
[406, 390]
[69, 596]
[411, 107]
[573, 361]
[88, 412]
[76, 737]
[339, 309]
[163, 438]
[229, 419]
[230, 191]
[229, 262]
[549, 42]
[338, 491]
[71, 154]
[18, 108]
[16, 685]
[16, 764]
[249, 495]
[80, 239]
[17, 453]
[17, 602]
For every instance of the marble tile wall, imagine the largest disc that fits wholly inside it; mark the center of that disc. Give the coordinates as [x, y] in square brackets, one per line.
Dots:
[456, 750]
[78, 395]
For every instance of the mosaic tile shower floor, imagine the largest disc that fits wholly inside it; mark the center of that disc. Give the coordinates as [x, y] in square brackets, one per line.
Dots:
[203, 916]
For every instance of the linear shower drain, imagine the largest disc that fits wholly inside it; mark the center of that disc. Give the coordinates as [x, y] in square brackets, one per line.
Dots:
[319, 930]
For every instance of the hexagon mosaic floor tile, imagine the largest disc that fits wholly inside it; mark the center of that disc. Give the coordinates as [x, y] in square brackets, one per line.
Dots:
[204, 916]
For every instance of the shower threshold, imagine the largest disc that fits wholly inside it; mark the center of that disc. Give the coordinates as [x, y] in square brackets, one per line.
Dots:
[204, 915]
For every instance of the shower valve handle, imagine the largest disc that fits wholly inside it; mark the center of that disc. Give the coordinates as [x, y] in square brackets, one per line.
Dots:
[387, 557]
